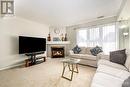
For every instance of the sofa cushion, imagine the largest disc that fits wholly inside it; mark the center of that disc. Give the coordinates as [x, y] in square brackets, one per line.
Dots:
[76, 49]
[75, 55]
[126, 83]
[88, 50]
[87, 56]
[119, 73]
[118, 56]
[106, 80]
[108, 63]
[83, 50]
[84, 56]
[96, 50]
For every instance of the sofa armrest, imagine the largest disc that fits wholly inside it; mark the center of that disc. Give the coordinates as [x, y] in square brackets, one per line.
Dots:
[71, 52]
[102, 56]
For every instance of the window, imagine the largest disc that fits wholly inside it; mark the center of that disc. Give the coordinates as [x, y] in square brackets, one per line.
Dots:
[82, 37]
[102, 35]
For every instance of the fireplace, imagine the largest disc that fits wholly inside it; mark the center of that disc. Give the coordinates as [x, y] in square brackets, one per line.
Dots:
[57, 51]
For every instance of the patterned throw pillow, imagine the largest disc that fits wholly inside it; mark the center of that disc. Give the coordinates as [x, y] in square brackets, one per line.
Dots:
[76, 49]
[96, 50]
[118, 56]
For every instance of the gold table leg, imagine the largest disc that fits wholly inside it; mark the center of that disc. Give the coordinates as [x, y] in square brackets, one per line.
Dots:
[77, 68]
[63, 69]
[72, 71]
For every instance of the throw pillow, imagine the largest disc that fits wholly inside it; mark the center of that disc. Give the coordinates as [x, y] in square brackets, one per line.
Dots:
[94, 51]
[126, 82]
[118, 56]
[127, 62]
[76, 49]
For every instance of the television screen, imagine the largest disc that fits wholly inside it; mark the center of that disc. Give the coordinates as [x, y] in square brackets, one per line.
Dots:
[31, 44]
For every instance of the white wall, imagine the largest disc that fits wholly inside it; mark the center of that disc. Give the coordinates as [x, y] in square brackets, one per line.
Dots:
[71, 34]
[129, 31]
[62, 30]
[123, 40]
[125, 15]
[10, 29]
[125, 12]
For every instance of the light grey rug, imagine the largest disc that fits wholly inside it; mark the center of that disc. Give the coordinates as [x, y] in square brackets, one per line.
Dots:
[47, 74]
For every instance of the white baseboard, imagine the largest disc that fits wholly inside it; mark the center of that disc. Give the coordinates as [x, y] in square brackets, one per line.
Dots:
[11, 66]
[14, 64]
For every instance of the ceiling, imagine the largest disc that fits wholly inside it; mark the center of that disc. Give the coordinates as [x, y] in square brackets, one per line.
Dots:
[65, 12]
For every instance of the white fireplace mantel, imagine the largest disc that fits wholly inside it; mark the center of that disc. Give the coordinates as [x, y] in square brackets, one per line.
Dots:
[58, 42]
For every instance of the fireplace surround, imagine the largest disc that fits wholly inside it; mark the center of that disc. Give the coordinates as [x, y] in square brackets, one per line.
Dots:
[64, 44]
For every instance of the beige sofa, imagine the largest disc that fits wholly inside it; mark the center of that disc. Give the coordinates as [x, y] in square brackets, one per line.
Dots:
[110, 74]
[86, 57]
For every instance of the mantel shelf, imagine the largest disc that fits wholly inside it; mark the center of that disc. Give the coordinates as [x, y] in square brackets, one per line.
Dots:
[58, 42]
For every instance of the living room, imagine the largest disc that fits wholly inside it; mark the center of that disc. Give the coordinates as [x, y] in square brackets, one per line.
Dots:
[65, 43]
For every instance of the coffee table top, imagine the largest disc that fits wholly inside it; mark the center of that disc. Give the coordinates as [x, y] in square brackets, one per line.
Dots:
[70, 60]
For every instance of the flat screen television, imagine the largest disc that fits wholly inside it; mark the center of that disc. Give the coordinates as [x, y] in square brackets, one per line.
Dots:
[31, 44]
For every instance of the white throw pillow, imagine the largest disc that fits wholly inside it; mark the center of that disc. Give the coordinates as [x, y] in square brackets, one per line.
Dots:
[127, 63]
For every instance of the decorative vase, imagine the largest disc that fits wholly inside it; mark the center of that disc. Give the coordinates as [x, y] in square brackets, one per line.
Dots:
[62, 38]
[49, 37]
[65, 39]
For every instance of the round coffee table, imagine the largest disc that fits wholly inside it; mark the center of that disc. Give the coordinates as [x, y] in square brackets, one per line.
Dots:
[72, 65]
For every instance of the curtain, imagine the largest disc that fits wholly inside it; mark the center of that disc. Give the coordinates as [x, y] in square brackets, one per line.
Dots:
[101, 35]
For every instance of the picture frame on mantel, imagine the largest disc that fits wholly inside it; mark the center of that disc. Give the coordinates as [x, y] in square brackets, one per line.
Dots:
[56, 39]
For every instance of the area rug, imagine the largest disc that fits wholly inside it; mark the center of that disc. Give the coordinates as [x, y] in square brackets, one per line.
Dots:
[47, 74]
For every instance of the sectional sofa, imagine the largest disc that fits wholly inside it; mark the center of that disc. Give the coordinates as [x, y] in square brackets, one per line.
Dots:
[109, 74]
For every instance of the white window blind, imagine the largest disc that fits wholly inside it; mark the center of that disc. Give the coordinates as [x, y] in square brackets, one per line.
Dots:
[102, 35]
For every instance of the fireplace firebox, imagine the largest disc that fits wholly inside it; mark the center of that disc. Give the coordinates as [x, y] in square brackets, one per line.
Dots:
[57, 52]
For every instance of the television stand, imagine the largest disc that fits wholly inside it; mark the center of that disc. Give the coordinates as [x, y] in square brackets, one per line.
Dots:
[34, 60]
